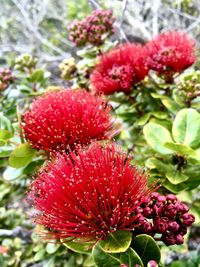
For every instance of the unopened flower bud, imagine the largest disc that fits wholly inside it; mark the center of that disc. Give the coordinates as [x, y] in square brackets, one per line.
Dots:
[161, 199]
[187, 219]
[171, 198]
[154, 196]
[158, 208]
[179, 239]
[6, 78]
[147, 212]
[67, 67]
[92, 29]
[161, 224]
[183, 230]
[183, 208]
[152, 263]
[171, 210]
[168, 239]
[174, 226]
[147, 228]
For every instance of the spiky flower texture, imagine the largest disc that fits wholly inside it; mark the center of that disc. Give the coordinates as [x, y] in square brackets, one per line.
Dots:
[66, 118]
[171, 52]
[119, 69]
[89, 194]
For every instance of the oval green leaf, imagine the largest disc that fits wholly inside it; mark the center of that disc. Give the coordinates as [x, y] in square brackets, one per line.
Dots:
[156, 136]
[21, 156]
[131, 258]
[116, 242]
[5, 134]
[186, 127]
[180, 149]
[52, 248]
[175, 188]
[12, 173]
[103, 259]
[78, 246]
[147, 248]
[176, 177]
[171, 105]
[153, 163]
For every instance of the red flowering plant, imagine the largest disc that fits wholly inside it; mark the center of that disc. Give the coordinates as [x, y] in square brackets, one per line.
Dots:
[170, 53]
[86, 192]
[119, 69]
[64, 118]
[90, 198]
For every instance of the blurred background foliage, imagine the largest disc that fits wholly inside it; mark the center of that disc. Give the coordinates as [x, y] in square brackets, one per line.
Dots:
[40, 29]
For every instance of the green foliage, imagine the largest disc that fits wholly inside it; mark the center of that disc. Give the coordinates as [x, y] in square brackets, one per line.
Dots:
[180, 147]
[142, 249]
[146, 248]
[21, 156]
[79, 246]
[116, 242]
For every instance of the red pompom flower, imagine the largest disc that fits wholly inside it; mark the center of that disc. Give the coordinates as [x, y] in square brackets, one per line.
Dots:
[66, 118]
[119, 69]
[171, 52]
[88, 194]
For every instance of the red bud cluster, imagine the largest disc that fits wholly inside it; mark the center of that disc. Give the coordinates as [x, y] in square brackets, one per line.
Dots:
[6, 78]
[164, 215]
[92, 28]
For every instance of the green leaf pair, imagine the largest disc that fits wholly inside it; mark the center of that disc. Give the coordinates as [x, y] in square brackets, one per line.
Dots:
[183, 139]
[119, 248]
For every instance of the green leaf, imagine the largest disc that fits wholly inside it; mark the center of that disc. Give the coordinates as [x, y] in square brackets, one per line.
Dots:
[179, 97]
[52, 248]
[175, 188]
[5, 151]
[21, 156]
[176, 177]
[5, 134]
[147, 248]
[39, 255]
[157, 96]
[5, 123]
[160, 115]
[143, 120]
[2, 142]
[89, 261]
[78, 245]
[170, 105]
[4, 190]
[186, 127]
[103, 259]
[131, 258]
[37, 76]
[156, 136]
[12, 173]
[116, 242]
[180, 148]
[153, 163]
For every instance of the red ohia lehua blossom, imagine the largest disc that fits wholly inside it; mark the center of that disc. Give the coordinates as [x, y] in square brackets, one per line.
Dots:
[119, 69]
[65, 118]
[89, 193]
[170, 52]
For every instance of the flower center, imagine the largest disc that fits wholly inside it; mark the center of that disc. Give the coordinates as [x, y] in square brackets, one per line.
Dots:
[122, 74]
